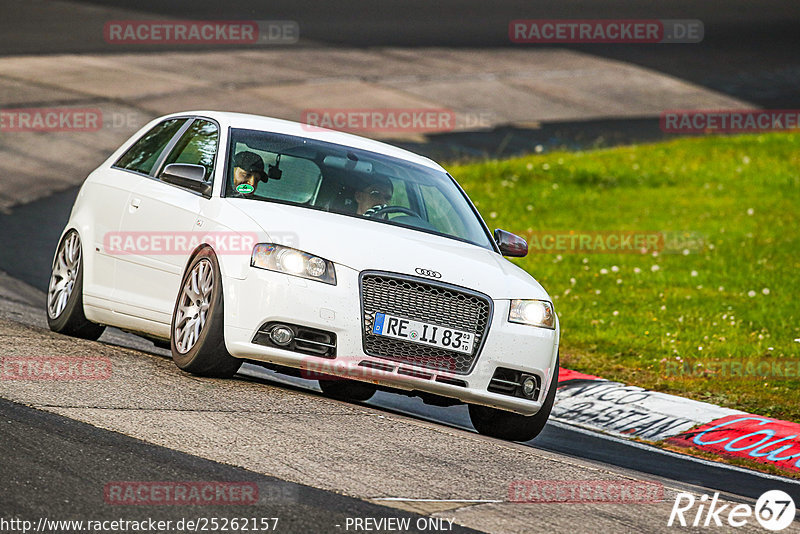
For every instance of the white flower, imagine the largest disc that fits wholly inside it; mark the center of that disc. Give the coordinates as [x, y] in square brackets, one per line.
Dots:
[765, 291]
[751, 293]
[614, 268]
[529, 166]
[663, 308]
[655, 268]
[538, 149]
[529, 207]
[493, 215]
[685, 252]
[746, 160]
[585, 260]
[615, 313]
[567, 291]
[750, 211]
[637, 270]
[619, 280]
[694, 273]
[572, 281]
[596, 291]
[720, 288]
[770, 348]
[700, 348]
[603, 271]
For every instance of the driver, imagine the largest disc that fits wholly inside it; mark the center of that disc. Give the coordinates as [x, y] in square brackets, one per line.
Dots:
[248, 170]
[374, 197]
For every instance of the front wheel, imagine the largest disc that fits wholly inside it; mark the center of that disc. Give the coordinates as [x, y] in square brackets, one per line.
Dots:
[512, 426]
[197, 335]
[65, 292]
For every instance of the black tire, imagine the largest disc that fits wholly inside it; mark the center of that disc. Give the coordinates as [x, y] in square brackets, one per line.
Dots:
[68, 317]
[512, 426]
[351, 390]
[206, 355]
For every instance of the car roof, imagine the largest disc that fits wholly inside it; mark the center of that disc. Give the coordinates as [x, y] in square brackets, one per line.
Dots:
[280, 126]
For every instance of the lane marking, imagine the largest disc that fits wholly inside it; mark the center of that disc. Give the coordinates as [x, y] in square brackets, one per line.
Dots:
[405, 499]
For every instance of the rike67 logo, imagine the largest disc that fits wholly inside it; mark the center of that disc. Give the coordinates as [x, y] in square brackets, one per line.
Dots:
[774, 510]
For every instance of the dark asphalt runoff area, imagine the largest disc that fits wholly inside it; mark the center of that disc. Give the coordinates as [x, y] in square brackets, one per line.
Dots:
[749, 50]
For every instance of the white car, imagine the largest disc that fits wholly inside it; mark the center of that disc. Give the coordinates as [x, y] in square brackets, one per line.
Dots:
[232, 237]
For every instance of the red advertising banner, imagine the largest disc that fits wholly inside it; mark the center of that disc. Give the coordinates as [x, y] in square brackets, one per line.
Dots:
[754, 437]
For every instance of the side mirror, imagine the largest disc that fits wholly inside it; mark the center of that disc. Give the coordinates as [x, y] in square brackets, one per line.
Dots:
[510, 244]
[187, 175]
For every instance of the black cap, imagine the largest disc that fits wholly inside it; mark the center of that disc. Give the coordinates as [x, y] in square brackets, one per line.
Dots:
[249, 161]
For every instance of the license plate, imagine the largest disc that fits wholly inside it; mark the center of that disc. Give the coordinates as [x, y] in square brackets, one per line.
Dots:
[424, 333]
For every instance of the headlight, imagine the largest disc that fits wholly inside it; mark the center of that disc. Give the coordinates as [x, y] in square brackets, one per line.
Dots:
[533, 312]
[292, 261]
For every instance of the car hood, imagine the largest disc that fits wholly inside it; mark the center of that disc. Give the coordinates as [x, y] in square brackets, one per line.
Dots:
[369, 245]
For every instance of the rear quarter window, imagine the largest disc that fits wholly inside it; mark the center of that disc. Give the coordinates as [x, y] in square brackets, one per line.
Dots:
[142, 156]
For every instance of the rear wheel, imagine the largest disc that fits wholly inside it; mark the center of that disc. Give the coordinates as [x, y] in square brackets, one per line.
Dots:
[65, 292]
[197, 335]
[344, 389]
[512, 426]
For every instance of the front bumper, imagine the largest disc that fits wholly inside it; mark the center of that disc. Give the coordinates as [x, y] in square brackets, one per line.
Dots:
[265, 296]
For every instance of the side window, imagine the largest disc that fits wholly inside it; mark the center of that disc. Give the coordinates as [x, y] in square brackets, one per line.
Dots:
[198, 145]
[145, 152]
[299, 182]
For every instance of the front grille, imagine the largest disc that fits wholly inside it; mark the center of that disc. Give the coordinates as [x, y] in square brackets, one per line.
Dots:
[433, 303]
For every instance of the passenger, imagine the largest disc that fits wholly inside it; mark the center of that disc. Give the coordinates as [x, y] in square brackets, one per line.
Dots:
[248, 169]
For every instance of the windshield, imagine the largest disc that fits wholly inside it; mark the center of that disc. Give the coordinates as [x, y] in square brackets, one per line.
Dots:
[264, 166]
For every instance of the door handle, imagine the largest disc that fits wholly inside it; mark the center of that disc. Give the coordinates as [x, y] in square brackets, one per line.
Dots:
[135, 202]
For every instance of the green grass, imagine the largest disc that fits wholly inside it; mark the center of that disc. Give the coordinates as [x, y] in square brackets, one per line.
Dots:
[626, 317]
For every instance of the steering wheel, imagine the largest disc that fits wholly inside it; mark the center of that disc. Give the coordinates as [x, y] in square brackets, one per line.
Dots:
[394, 209]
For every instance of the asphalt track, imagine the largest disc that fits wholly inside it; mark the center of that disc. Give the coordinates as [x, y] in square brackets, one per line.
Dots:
[56, 468]
[25, 230]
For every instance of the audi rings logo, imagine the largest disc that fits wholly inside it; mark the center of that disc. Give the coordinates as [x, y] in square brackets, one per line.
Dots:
[427, 272]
